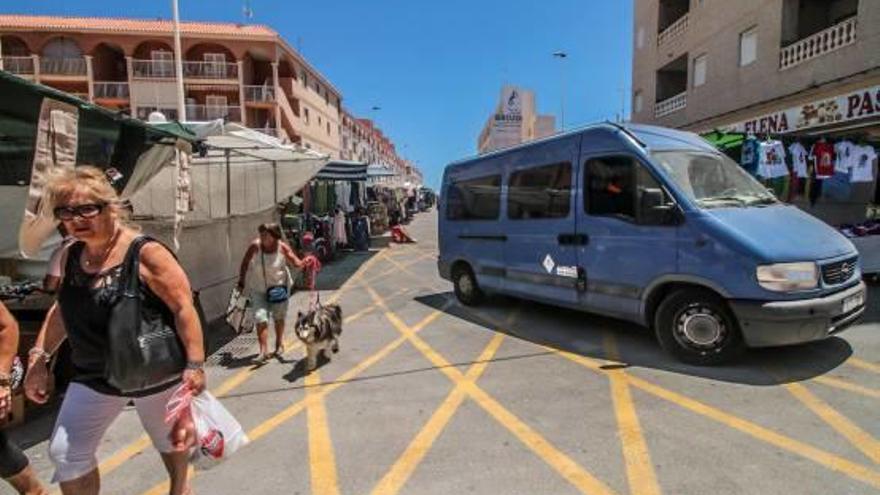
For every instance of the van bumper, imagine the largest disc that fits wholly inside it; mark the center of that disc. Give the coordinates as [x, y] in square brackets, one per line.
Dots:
[777, 323]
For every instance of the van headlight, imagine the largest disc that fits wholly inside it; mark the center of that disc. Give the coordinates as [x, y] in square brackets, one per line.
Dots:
[787, 277]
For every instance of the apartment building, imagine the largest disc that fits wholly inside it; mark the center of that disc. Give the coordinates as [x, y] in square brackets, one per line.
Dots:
[514, 121]
[777, 66]
[244, 73]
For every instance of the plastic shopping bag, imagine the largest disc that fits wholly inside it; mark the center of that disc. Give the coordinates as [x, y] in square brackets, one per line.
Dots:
[218, 433]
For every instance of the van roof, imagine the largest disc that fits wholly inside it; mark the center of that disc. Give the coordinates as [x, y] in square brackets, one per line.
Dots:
[648, 136]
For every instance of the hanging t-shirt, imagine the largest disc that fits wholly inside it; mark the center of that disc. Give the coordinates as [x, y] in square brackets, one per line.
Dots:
[771, 160]
[799, 159]
[822, 154]
[843, 156]
[749, 160]
[863, 158]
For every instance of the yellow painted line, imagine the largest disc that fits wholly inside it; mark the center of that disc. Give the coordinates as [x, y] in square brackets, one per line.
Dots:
[406, 464]
[639, 468]
[858, 437]
[322, 460]
[862, 364]
[821, 457]
[294, 409]
[845, 385]
[564, 465]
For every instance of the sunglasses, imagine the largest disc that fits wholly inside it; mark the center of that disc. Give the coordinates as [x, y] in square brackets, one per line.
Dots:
[68, 213]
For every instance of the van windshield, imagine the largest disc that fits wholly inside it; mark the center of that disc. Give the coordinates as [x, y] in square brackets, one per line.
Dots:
[713, 180]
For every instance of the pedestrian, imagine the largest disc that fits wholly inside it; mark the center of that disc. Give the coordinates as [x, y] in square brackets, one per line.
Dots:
[91, 211]
[265, 265]
[14, 465]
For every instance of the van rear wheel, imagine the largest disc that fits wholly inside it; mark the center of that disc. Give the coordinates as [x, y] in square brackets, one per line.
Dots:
[698, 328]
[467, 291]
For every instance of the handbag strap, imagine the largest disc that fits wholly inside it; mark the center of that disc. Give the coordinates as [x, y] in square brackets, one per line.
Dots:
[131, 264]
[263, 262]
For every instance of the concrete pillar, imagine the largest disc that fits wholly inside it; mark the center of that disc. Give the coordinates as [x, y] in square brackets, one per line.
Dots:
[91, 79]
[129, 70]
[36, 67]
[276, 106]
[241, 104]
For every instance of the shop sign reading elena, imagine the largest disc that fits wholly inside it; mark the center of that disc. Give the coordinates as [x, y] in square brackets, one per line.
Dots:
[852, 106]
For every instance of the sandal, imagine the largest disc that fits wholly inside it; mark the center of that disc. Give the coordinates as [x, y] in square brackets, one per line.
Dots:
[261, 359]
[279, 351]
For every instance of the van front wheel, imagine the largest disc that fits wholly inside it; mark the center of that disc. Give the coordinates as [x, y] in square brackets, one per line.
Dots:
[466, 289]
[697, 327]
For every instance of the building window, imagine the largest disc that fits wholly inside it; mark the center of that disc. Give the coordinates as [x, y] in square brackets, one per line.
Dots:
[700, 70]
[540, 192]
[328, 128]
[748, 47]
[474, 199]
[306, 115]
[637, 101]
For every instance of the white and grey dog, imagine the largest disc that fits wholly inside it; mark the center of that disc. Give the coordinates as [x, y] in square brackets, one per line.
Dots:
[319, 331]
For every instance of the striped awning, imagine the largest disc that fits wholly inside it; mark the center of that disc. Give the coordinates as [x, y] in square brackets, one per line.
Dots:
[344, 171]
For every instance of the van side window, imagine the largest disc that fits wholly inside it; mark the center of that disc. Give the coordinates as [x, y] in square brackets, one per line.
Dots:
[618, 186]
[540, 192]
[474, 199]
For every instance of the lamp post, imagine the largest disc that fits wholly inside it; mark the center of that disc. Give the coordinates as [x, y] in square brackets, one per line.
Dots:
[561, 56]
[178, 59]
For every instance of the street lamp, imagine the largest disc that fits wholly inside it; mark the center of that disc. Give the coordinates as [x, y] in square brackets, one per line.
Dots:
[178, 56]
[561, 56]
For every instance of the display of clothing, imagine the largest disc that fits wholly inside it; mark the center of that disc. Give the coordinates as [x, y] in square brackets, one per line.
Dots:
[822, 155]
[798, 159]
[339, 232]
[749, 159]
[862, 166]
[771, 160]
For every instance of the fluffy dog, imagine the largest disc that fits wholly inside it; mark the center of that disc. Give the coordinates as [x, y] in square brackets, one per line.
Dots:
[319, 331]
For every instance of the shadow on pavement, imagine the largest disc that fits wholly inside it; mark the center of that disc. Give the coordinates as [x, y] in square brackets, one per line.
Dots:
[335, 273]
[584, 334]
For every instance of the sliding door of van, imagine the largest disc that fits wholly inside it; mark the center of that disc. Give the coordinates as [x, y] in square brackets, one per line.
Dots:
[540, 252]
[629, 222]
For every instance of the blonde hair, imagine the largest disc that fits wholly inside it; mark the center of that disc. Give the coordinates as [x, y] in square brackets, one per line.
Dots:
[63, 183]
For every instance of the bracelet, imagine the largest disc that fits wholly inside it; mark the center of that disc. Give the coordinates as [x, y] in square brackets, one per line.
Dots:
[195, 366]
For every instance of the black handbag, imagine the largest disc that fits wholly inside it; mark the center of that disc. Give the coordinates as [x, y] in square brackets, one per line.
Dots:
[144, 349]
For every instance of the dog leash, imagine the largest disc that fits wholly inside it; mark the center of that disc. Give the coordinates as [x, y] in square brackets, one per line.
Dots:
[312, 266]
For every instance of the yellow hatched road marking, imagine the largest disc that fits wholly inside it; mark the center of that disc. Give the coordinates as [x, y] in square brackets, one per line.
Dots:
[862, 364]
[322, 460]
[858, 437]
[563, 464]
[830, 461]
[845, 385]
[406, 464]
[639, 468]
[293, 410]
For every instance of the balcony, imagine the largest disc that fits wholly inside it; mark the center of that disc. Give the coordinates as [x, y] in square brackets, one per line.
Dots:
[213, 112]
[259, 94]
[63, 67]
[210, 70]
[819, 44]
[674, 31]
[670, 105]
[22, 66]
[152, 69]
[271, 131]
[111, 90]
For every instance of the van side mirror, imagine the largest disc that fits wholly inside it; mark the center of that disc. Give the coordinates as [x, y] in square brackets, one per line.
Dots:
[655, 209]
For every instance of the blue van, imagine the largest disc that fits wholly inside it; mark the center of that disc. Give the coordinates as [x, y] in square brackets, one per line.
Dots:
[649, 225]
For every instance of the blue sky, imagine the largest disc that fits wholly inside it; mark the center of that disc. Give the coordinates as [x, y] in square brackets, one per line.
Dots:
[434, 67]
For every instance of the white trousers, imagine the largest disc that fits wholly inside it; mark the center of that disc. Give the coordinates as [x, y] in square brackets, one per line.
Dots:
[84, 418]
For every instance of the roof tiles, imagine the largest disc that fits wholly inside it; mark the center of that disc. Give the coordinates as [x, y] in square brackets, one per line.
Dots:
[120, 25]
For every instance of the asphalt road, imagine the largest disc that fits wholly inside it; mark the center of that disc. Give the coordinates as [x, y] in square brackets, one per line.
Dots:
[429, 397]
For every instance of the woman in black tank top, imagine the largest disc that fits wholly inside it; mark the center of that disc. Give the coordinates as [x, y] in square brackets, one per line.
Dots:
[89, 208]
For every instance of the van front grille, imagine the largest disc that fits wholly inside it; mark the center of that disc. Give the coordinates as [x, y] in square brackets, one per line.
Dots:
[839, 272]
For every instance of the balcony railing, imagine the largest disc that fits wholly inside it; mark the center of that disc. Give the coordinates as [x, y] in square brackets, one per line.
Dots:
[816, 45]
[111, 90]
[63, 66]
[153, 69]
[670, 105]
[259, 94]
[674, 30]
[23, 66]
[212, 112]
[210, 70]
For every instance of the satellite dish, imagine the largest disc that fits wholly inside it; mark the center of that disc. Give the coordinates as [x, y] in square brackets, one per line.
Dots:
[157, 117]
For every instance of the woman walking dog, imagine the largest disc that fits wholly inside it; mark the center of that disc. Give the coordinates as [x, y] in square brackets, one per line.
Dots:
[265, 266]
[108, 258]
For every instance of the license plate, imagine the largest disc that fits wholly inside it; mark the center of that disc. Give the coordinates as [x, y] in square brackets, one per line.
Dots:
[853, 302]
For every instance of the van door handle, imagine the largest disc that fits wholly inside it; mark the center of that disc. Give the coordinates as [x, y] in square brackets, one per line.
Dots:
[573, 239]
